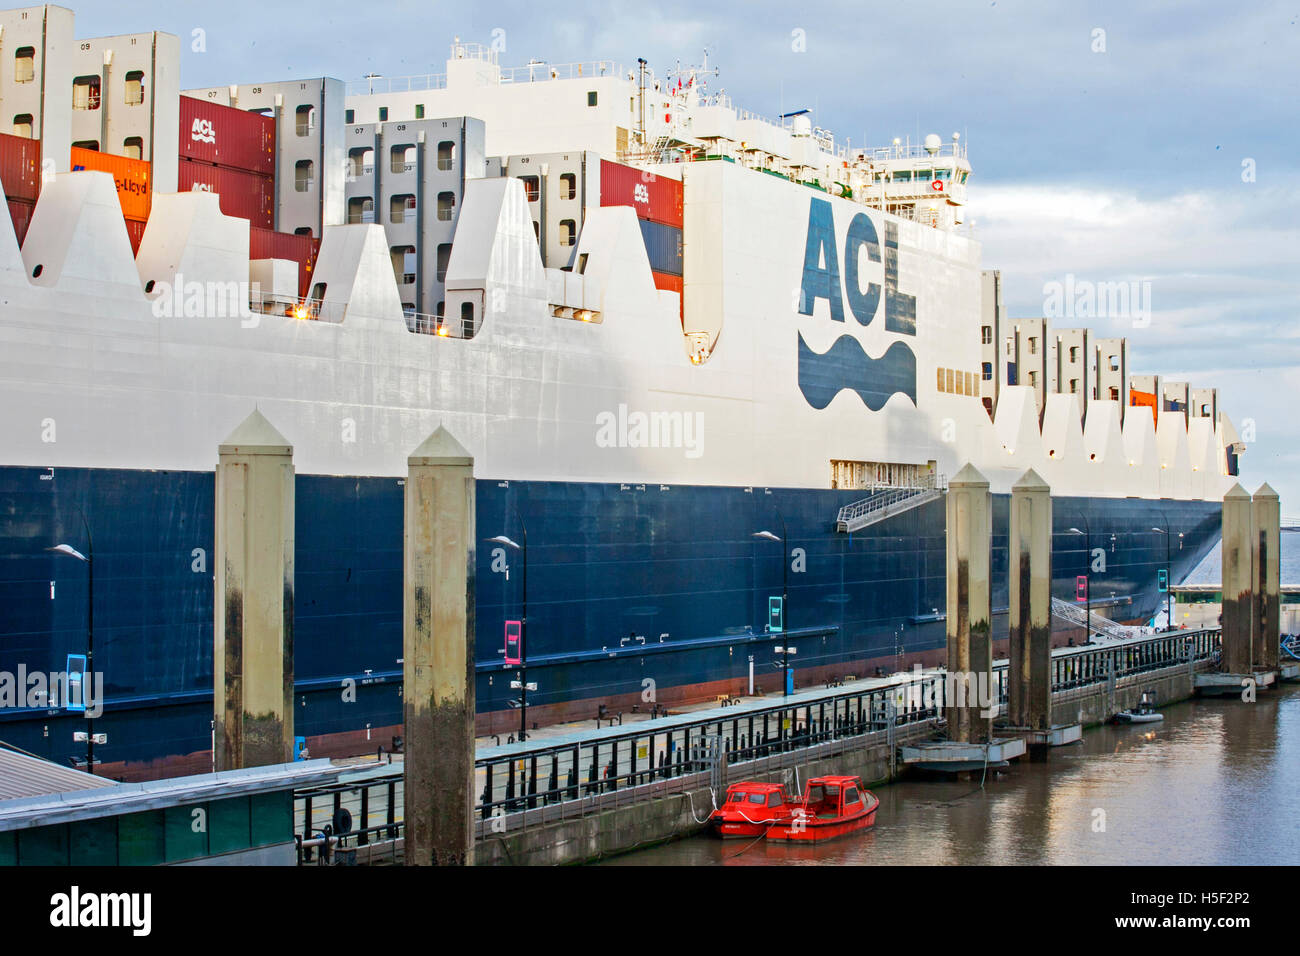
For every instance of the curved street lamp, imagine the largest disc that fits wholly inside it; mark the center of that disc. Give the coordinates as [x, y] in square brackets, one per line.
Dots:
[785, 650]
[89, 560]
[523, 687]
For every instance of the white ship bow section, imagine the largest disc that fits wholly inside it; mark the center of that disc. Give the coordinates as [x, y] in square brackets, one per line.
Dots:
[90, 375]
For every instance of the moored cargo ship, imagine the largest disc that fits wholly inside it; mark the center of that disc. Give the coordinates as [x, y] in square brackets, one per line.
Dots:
[820, 343]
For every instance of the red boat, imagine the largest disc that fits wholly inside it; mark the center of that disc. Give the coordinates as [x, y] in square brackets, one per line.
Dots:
[831, 807]
[751, 809]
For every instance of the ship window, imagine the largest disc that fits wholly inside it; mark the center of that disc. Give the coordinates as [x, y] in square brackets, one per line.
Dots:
[85, 93]
[303, 231]
[444, 257]
[851, 795]
[591, 97]
[349, 116]
[90, 144]
[1033, 345]
[446, 206]
[582, 263]
[568, 232]
[401, 207]
[403, 264]
[446, 155]
[1114, 363]
[773, 799]
[1074, 386]
[757, 798]
[419, 111]
[361, 160]
[986, 335]
[24, 64]
[939, 385]
[568, 186]
[737, 798]
[532, 188]
[304, 173]
[1074, 353]
[1033, 379]
[135, 88]
[383, 114]
[948, 378]
[361, 209]
[305, 119]
[23, 125]
[318, 292]
[1114, 394]
[467, 319]
[402, 158]
[903, 176]
[133, 146]
[987, 371]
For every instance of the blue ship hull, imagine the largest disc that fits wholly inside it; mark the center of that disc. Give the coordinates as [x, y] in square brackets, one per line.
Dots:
[635, 593]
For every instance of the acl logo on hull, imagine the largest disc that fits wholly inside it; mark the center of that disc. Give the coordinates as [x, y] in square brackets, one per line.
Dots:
[203, 131]
[846, 364]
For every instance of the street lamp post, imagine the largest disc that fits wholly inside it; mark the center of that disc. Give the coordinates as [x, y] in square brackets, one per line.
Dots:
[523, 623]
[1169, 575]
[89, 559]
[785, 596]
[1087, 577]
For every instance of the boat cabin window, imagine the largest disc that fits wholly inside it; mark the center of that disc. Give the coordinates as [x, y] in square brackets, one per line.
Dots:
[738, 798]
[850, 795]
[757, 799]
[774, 800]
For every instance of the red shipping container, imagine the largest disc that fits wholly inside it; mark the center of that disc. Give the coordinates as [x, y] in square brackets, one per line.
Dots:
[132, 177]
[225, 136]
[20, 211]
[656, 198]
[242, 194]
[135, 232]
[267, 244]
[670, 283]
[20, 167]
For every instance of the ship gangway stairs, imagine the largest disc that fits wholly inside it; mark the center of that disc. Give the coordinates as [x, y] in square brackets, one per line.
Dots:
[887, 501]
[1102, 627]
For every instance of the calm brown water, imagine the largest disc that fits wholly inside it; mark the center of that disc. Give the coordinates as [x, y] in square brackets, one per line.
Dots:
[1215, 783]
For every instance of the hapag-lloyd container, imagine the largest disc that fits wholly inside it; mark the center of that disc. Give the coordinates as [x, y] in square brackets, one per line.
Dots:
[241, 194]
[20, 167]
[656, 198]
[132, 176]
[267, 244]
[225, 136]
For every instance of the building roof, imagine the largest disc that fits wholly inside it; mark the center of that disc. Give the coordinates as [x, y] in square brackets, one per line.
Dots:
[24, 776]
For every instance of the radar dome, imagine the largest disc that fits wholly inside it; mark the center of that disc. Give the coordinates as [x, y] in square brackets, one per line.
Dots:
[802, 126]
[932, 143]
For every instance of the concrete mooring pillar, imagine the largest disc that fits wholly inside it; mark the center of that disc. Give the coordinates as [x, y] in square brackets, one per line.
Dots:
[1029, 564]
[253, 616]
[970, 645]
[438, 651]
[1238, 582]
[1266, 630]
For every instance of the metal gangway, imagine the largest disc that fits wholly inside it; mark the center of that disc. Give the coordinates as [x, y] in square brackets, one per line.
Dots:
[889, 500]
[1098, 626]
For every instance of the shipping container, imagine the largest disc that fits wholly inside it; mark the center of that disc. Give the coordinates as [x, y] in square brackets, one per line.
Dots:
[225, 136]
[663, 244]
[132, 176]
[266, 244]
[20, 167]
[1140, 399]
[20, 211]
[135, 232]
[672, 283]
[656, 198]
[242, 194]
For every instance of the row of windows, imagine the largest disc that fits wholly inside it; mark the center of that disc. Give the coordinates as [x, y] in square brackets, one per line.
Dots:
[957, 382]
[349, 116]
[401, 158]
[132, 146]
[533, 186]
[400, 208]
[86, 91]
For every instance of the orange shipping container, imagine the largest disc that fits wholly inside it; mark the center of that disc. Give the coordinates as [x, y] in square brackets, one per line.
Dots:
[132, 176]
[1139, 399]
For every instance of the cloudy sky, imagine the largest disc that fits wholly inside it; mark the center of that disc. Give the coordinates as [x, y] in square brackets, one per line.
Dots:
[1116, 144]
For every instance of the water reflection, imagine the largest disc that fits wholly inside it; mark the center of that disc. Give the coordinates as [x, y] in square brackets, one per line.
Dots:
[1216, 783]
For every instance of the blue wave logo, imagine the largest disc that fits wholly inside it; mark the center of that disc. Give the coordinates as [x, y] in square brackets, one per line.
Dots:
[847, 365]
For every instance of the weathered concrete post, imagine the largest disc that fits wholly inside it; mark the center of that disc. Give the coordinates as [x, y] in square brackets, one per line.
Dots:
[1266, 630]
[253, 614]
[438, 651]
[1029, 562]
[1238, 582]
[970, 645]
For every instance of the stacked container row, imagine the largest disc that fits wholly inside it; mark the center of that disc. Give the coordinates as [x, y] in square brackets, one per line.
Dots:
[230, 152]
[267, 244]
[20, 173]
[659, 203]
[134, 181]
